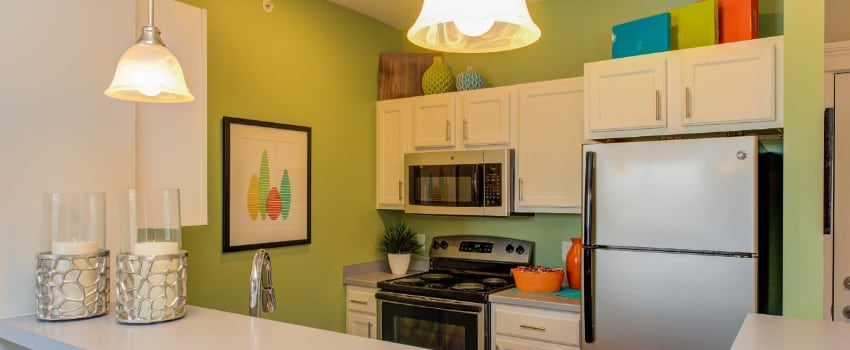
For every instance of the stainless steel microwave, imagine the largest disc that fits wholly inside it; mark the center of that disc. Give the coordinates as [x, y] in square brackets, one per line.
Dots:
[476, 183]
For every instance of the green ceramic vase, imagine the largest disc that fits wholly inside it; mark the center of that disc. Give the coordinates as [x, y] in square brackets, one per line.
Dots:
[437, 78]
[470, 80]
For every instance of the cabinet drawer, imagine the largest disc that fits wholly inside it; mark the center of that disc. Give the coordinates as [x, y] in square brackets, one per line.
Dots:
[361, 300]
[539, 324]
[510, 343]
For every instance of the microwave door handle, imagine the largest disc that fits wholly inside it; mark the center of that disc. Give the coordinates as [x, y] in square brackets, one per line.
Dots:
[475, 192]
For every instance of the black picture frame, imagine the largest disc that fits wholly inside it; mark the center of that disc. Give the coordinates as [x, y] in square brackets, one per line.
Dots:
[266, 184]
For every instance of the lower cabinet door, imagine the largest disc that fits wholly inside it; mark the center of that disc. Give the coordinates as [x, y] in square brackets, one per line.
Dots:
[361, 325]
[510, 343]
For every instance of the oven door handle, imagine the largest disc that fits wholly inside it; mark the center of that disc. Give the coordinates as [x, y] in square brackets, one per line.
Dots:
[434, 303]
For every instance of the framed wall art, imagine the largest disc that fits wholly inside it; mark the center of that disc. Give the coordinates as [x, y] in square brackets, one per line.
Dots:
[266, 184]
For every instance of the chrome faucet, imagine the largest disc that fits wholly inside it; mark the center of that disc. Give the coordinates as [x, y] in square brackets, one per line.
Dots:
[262, 290]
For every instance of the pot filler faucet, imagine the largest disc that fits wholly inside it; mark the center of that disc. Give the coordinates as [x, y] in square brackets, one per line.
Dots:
[262, 290]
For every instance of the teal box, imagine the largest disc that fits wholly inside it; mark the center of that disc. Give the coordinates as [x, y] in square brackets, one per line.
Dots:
[646, 35]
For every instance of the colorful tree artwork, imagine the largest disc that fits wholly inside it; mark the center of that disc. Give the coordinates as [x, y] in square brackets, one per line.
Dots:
[268, 202]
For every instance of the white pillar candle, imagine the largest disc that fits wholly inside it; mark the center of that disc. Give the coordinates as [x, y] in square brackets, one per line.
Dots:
[155, 248]
[74, 247]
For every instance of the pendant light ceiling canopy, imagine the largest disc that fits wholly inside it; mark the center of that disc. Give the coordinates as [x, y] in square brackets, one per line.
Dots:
[148, 71]
[473, 26]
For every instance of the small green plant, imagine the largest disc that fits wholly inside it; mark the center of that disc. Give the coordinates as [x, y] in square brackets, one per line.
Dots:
[399, 238]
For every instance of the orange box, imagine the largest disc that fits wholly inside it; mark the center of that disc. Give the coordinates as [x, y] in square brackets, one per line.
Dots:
[549, 281]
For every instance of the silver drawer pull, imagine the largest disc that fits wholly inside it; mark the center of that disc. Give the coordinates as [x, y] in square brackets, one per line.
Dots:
[525, 326]
[657, 104]
[358, 302]
[400, 190]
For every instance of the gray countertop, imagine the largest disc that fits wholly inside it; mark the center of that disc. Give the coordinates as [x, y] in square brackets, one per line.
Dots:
[370, 273]
[536, 300]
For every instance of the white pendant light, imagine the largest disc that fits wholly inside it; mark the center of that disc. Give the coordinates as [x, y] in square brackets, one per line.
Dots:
[473, 26]
[149, 72]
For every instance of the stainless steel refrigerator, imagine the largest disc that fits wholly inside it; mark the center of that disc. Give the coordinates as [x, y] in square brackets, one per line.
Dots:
[670, 236]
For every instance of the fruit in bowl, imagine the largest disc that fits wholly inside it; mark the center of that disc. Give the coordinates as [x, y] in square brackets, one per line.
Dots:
[538, 278]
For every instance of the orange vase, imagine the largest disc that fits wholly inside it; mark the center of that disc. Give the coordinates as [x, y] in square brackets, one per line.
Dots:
[574, 264]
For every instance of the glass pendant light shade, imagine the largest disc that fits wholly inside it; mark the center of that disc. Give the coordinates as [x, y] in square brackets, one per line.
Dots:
[148, 71]
[473, 26]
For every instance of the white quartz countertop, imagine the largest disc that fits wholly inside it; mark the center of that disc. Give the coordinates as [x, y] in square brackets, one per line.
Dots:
[201, 328]
[786, 333]
[536, 300]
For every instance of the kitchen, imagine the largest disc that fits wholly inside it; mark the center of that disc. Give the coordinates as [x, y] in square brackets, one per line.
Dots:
[279, 67]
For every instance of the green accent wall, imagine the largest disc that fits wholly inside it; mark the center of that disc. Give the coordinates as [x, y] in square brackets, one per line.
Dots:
[313, 63]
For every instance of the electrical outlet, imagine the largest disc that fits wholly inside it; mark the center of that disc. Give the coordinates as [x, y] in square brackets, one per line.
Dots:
[565, 246]
[420, 238]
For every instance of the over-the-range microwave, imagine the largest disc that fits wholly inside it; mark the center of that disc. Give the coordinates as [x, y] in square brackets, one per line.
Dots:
[476, 183]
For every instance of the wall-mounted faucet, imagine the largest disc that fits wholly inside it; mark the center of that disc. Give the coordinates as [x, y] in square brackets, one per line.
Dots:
[262, 291]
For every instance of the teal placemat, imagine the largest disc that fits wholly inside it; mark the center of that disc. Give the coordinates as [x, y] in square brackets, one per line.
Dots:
[564, 292]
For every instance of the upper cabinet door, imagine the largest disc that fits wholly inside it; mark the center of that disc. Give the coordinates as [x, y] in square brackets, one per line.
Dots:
[391, 122]
[485, 116]
[729, 84]
[626, 94]
[433, 121]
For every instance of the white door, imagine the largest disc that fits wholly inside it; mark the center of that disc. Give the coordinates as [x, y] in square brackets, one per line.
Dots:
[433, 121]
[626, 94]
[841, 231]
[730, 84]
[485, 116]
[548, 159]
[392, 116]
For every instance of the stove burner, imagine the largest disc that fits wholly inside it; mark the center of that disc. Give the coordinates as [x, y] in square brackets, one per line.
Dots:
[468, 286]
[410, 281]
[494, 281]
[434, 276]
[436, 285]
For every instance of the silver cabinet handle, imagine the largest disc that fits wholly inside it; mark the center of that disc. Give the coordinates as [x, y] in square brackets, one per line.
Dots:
[369, 329]
[358, 302]
[521, 193]
[448, 130]
[687, 103]
[534, 328]
[400, 190]
[657, 104]
[465, 128]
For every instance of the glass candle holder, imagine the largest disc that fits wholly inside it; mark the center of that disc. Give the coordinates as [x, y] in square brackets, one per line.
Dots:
[72, 277]
[151, 269]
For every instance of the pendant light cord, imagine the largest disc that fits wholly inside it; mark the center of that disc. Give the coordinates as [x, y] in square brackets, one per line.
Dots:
[150, 13]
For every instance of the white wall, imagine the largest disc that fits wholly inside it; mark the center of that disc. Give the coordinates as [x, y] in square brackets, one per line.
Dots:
[58, 132]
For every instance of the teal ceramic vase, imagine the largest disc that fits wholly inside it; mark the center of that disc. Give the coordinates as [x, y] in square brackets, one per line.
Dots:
[470, 80]
[437, 78]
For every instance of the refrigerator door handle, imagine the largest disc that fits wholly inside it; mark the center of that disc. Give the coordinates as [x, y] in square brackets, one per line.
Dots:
[587, 231]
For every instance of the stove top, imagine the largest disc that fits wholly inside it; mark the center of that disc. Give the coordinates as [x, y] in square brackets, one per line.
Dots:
[467, 268]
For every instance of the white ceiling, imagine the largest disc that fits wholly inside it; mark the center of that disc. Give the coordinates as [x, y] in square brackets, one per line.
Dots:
[399, 14]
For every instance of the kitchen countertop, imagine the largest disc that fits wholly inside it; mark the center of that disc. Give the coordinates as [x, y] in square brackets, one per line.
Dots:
[369, 274]
[781, 333]
[536, 300]
[201, 328]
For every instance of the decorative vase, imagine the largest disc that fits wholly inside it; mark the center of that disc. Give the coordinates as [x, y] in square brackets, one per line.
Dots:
[574, 264]
[398, 263]
[470, 80]
[437, 78]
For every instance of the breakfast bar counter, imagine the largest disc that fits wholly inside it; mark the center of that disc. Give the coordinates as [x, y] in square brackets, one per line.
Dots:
[201, 328]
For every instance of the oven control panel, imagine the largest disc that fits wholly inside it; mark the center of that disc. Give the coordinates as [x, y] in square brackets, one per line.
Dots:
[496, 249]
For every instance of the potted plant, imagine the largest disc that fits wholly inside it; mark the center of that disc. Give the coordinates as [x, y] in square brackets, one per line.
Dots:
[399, 242]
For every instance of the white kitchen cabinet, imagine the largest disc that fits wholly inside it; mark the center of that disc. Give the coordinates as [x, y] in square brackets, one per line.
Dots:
[485, 116]
[719, 88]
[525, 328]
[392, 121]
[361, 311]
[433, 121]
[548, 152]
[171, 138]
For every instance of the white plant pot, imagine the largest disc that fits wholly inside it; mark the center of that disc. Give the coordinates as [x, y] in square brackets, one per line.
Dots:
[399, 263]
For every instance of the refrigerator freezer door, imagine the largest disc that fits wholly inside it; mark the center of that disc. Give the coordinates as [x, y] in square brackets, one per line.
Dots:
[663, 301]
[679, 194]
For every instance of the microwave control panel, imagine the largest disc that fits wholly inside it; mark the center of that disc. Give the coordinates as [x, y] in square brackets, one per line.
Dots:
[492, 185]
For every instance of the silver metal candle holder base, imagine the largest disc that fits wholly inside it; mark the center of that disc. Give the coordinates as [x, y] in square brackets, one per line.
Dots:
[71, 287]
[151, 288]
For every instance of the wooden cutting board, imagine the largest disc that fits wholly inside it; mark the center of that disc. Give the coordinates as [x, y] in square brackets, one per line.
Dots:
[400, 74]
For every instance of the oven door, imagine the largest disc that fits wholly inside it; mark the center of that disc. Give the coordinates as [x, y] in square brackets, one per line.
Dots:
[431, 323]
